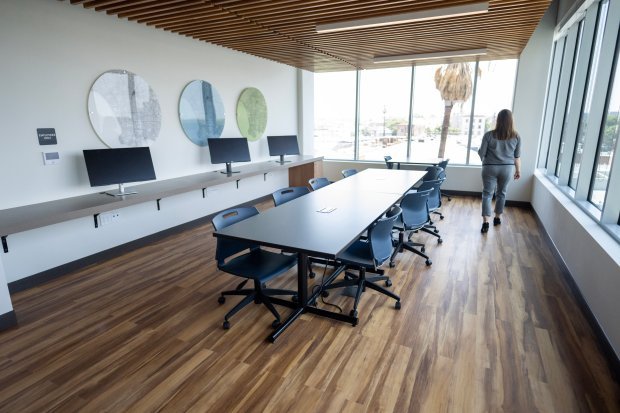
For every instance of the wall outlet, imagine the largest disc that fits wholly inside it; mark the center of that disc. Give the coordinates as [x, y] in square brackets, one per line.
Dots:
[107, 218]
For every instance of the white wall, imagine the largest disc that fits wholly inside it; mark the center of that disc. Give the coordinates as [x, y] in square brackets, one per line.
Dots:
[591, 255]
[5, 299]
[528, 106]
[52, 52]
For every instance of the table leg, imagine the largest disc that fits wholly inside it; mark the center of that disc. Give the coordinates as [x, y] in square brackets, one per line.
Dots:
[302, 296]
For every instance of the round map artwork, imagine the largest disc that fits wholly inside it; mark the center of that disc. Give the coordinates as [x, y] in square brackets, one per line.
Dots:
[252, 113]
[201, 112]
[124, 110]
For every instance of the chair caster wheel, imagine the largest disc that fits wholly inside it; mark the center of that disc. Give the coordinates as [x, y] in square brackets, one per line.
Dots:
[311, 275]
[221, 299]
[436, 231]
[423, 249]
[397, 305]
[440, 241]
[441, 216]
[324, 294]
[226, 325]
[295, 299]
[388, 283]
[429, 263]
[392, 264]
[275, 324]
[353, 313]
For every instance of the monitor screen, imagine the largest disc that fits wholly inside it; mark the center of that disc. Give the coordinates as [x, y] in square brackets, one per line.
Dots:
[283, 145]
[118, 165]
[227, 150]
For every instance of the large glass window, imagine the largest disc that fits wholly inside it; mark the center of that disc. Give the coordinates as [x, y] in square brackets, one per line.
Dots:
[571, 91]
[443, 124]
[384, 112]
[607, 144]
[432, 114]
[587, 103]
[334, 114]
[494, 92]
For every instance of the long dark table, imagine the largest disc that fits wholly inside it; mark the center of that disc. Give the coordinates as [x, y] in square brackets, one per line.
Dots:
[298, 226]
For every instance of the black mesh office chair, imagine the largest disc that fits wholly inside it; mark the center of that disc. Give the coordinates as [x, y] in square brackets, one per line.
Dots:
[388, 164]
[348, 172]
[257, 264]
[284, 195]
[414, 217]
[367, 255]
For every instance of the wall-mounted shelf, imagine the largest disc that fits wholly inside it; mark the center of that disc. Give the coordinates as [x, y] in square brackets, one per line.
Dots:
[19, 219]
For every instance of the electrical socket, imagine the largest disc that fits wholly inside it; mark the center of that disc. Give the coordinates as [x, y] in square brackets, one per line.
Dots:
[107, 218]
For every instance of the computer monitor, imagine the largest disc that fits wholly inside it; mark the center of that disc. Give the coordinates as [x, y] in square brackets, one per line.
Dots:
[229, 150]
[283, 145]
[119, 166]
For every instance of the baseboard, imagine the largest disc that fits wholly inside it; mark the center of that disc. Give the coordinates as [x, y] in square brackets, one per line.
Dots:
[56, 272]
[8, 320]
[603, 343]
[516, 204]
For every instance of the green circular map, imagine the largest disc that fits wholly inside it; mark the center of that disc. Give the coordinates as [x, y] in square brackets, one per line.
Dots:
[251, 113]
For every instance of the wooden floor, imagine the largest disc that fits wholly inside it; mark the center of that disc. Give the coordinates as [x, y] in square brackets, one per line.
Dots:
[491, 326]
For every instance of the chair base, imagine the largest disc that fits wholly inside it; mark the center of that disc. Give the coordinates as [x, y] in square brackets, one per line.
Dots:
[259, 295]
[360, 283]
[411, 246]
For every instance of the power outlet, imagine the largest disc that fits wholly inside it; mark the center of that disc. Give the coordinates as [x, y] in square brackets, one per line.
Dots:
[107, 218]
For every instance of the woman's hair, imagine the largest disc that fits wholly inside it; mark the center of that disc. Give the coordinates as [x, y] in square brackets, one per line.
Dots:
[504, 127]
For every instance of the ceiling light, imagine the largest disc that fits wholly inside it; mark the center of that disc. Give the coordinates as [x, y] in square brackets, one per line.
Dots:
[438, 13]
[428, 56]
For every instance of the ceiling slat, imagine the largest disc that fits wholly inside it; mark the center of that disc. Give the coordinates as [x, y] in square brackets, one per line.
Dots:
[284, 30]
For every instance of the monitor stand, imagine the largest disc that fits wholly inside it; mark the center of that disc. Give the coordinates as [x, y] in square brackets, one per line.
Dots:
[229, 170]
[282, 161]
[121, 191]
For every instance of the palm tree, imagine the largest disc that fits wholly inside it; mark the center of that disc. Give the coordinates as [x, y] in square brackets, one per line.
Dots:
[454, 82]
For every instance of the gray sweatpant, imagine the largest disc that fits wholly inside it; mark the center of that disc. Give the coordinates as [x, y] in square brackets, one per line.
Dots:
[495, 176]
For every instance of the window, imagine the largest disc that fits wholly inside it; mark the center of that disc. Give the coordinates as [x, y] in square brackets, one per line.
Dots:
[494, 92]
[571, 92]
[586, 167]
[334, 114]
[607, 144]
[587, 104]
[386, 104]
[384, 112]
[431, 113]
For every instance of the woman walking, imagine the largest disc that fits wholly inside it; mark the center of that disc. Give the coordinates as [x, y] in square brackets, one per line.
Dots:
[500, 150]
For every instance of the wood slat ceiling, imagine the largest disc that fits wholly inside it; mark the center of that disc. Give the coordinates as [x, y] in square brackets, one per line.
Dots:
[285, 30]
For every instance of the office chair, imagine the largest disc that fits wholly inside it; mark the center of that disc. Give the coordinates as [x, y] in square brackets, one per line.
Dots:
[318, 183]
[282, 196]
[444, 164]
[258, 265]
[348, 172]
[367, 255]
[432, 173]
[414, 217]
[388, 164]
[434, 199]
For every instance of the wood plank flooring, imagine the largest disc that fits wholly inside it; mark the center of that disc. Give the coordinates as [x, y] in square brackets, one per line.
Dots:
[490, 327]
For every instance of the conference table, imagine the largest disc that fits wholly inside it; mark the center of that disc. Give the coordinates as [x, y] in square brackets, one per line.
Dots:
[323, 224]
